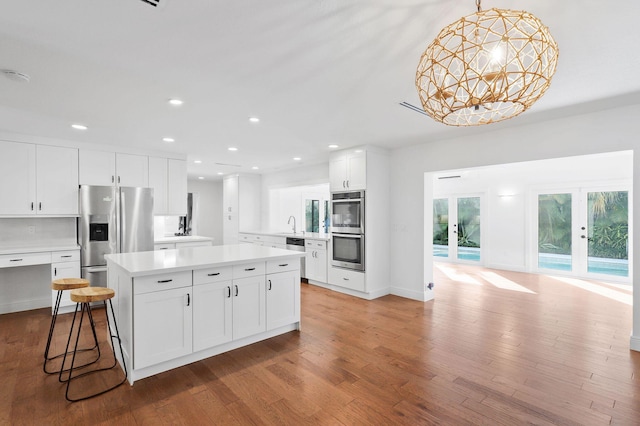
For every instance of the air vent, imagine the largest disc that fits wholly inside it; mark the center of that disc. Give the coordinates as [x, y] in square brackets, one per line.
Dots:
[155, 3]
[412, 107]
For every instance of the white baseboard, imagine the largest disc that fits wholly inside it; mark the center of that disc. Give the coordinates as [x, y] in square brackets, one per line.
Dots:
[422, 296]
[634, 343]
[362, 295]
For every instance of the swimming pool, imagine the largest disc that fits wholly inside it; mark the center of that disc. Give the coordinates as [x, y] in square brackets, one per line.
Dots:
[596, 265]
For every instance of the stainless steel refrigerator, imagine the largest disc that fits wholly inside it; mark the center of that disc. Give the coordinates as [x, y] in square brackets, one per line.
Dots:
[112, 220]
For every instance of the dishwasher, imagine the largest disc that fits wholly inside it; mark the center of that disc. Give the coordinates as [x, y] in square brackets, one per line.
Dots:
[297, 244]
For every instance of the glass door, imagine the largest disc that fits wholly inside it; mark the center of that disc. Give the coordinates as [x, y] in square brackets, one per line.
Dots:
[584, 232]
[456, 228]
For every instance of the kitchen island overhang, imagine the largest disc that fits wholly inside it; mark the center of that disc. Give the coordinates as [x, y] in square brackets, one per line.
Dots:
[175, 307]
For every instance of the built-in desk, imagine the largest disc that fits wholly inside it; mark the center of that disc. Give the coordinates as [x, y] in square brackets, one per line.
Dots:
[26, 274]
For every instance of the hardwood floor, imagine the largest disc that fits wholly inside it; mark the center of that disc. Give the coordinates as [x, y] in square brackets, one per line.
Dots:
[494, 347]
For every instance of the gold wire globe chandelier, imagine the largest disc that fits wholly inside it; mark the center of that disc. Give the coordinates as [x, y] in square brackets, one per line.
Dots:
[486, 67]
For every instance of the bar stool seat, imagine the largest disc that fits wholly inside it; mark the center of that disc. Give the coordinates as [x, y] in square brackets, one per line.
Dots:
[60, 285]
[84, 297]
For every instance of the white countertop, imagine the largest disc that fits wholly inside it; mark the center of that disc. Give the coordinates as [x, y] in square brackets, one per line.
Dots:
[181, 239]
[186, 259]
[39, 248]
[321, 236]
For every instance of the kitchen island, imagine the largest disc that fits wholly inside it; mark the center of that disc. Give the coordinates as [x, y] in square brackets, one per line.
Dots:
[175, 307]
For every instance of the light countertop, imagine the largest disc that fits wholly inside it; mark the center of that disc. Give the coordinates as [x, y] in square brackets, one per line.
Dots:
[186, 259]
[41, 247]
[181, 239]
[306, 235]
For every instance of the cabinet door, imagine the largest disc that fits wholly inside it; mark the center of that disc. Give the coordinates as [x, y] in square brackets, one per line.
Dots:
[158, 181]
[212, 315]
[162, 326]
[132, 170]
[63, 270]
[249, 316]
[177, 187]
[316, 265]
[283, 299]
[97, 167]
[357, 171]
[338, 173]
[18, 186]
[57, 180]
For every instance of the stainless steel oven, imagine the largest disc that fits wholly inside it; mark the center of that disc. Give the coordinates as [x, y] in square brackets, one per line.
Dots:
[347, 212]
[347, 251]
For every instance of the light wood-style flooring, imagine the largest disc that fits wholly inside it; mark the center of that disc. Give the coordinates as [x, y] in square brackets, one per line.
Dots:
[494, 348]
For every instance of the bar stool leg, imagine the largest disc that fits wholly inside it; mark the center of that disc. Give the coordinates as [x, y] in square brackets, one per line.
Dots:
[54, 318]
[86, 307]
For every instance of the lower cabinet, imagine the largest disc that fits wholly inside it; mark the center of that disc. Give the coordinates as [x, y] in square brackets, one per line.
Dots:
[249, 316]
[65, 264]
[212, 314]
[316, 260]
[163, 326]
[283, 299]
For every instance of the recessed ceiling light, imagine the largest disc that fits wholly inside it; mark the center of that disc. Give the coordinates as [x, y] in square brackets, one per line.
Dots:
[79, 126]
[254, 119]
[232, 148]
[168, 140]
[254, 168]
[197, 161]
[333, 146]
[220, 173]
[176, 102]
[200, 177]
[297, 158]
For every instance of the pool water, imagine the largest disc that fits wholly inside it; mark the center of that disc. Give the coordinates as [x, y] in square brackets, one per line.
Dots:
[596, 265]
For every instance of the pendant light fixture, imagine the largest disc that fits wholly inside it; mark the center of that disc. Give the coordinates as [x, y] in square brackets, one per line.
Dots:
[486, 67]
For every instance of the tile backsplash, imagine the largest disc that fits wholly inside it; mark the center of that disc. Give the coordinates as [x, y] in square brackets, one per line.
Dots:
[24, 232]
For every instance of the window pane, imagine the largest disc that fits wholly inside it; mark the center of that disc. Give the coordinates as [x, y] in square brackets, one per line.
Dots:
[441, 227]
[554, 231]
[608, 233]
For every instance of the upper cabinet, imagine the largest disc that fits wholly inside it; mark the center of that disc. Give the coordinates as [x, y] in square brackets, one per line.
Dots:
[168, 178]
[40, 179]
[348, 171]
[109, 168]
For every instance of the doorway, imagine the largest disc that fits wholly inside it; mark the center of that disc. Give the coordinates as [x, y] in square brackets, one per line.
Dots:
[457, 228]
[584, 231]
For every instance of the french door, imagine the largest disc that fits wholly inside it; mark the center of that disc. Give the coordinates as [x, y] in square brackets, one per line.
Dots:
[584, 231]
[456, 228]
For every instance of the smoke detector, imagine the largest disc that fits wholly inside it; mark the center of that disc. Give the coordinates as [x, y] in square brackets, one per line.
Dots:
[16, 76]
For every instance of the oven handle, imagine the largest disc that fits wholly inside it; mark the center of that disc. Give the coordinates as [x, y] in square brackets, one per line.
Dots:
[95, 269]
[347, 235]
[347, 201]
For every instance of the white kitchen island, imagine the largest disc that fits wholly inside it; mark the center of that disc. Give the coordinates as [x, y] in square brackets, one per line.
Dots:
[175, 307]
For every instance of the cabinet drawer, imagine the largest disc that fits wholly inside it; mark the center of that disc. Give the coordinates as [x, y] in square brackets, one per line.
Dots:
[164, 246]
[65, 256]
[347, 279]
[248, 270]
[161, 282]
[315, 245]
[24, 259]
[274, 266]
[212, 275]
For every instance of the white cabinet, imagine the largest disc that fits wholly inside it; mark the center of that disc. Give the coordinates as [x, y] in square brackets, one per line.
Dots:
[348, 170]
[168, 178]
[164, 246]
[64, 264]
[212, 314]
[41, 179]
[109, 168]
[283, 299]
[353, 280]
[316, 260]
[162, 324]
[241, 205]
[193, 244]
[249, 306]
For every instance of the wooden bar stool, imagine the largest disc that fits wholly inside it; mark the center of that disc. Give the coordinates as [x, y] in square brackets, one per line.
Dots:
[60, 285]
[83, 298]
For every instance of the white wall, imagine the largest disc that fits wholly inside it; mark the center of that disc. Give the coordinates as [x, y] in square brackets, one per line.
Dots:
[614, 129]
[209, 215]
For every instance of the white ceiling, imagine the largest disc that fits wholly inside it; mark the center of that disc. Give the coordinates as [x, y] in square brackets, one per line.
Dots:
[315, 72]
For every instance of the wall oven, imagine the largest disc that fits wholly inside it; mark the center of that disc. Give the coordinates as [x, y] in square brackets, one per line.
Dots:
[347, 251]
[347, 212]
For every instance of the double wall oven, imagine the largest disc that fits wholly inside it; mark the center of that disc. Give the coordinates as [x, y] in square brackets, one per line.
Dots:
[347, 230]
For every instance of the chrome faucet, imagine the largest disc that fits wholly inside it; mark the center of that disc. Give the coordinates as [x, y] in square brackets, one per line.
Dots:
[294, 223]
